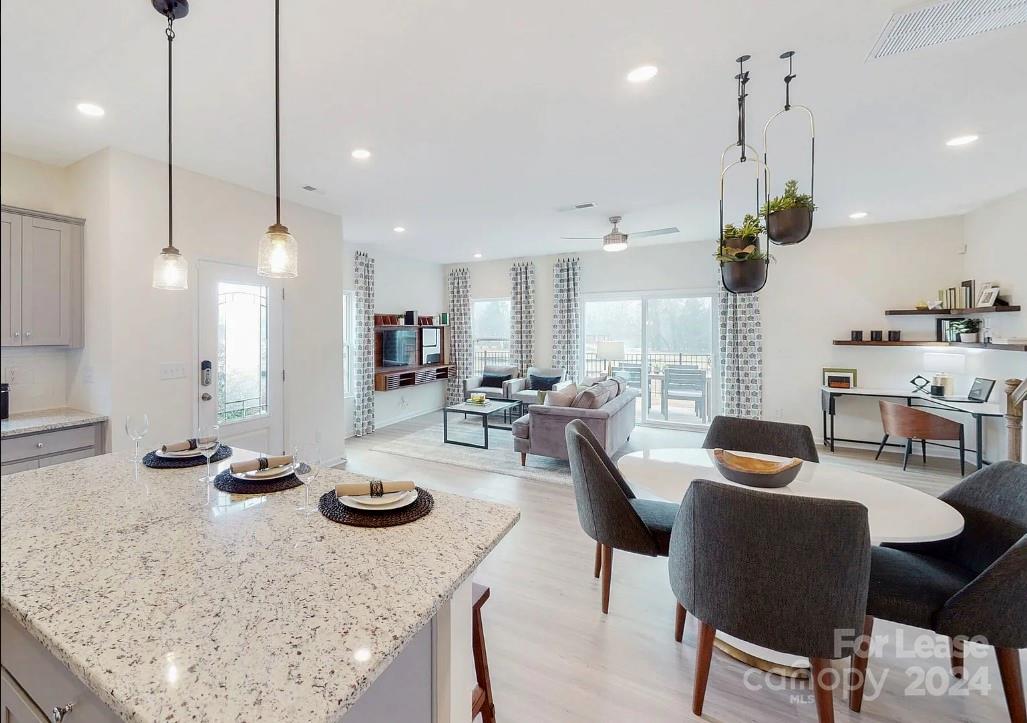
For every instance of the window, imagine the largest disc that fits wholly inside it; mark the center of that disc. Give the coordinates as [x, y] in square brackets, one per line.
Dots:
[349, 340]
[242, 352]
[490, 329]
[664, 348]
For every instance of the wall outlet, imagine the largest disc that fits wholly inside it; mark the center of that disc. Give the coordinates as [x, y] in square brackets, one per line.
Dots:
[172, 370]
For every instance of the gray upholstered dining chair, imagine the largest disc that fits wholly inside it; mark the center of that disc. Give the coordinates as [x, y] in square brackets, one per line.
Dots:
[762, 437]
[780, 571]
[974, 584]
[608, 510]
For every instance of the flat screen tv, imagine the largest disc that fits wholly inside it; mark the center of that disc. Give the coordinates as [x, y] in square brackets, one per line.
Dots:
[399, 347]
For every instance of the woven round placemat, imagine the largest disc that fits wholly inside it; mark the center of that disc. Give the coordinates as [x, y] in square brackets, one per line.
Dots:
[335, 511]
[227, 483]
[150, 459]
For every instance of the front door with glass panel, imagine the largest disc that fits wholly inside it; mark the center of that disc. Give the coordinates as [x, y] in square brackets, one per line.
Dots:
[240, 356]
[662, 345]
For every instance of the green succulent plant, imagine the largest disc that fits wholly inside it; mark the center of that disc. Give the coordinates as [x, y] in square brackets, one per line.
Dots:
[751, 228]
[966, 326]
[791, 198]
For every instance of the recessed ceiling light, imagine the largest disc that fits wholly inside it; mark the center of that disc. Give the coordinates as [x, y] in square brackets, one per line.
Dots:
[856, 215]
[961, 140]
[643, 73]
[90, 109]
[361, 154]
[399, 229]
[477, 256]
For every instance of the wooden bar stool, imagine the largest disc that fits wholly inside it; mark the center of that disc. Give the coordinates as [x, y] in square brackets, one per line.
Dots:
[481, 696]
[912, 423]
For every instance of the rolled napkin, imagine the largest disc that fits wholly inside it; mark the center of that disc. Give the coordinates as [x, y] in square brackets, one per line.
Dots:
[374, 488]
[186, 445]
[253, 465]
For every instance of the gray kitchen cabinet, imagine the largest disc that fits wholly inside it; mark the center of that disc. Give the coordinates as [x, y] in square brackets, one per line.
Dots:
[42, 275]
[34, 450]
[15, 704]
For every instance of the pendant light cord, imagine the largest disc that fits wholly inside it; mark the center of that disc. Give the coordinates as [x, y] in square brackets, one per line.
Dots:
[170, 32]
[278, 133]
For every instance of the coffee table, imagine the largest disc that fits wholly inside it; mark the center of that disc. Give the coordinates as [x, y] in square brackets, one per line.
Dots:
[485, 411]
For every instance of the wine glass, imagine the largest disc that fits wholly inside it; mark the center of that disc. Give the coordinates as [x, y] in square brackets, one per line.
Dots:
[136, 427]
[306, 460]
[208, 441]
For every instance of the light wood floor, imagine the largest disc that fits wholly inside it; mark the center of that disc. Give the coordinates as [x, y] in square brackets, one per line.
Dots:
[555, 657]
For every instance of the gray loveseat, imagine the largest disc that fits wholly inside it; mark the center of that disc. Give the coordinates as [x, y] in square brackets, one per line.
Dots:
[541, 430]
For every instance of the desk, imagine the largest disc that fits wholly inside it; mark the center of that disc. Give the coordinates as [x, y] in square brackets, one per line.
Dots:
[829, 395]
[895, 512]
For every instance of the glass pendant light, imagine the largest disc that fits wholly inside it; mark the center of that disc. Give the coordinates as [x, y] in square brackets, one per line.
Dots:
[277, 256]
[170, 269]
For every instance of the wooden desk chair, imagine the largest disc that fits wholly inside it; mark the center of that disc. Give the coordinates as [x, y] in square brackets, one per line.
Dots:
[900, 420]
[481, 696]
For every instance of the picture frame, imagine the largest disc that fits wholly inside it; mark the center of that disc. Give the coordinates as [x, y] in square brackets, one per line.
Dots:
[988, 295]
[839, 378]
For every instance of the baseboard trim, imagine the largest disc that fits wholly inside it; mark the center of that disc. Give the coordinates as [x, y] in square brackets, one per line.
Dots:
[396, 420]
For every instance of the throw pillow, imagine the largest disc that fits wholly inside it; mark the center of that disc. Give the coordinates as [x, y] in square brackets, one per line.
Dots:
[611, 387]
[543, 384]
[494, 380]
[589, 398]
[563, 398]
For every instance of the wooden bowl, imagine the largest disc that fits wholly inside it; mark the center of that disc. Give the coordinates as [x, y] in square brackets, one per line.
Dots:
[753, 472]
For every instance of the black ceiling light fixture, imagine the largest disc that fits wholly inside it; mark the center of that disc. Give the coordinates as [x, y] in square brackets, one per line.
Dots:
[790, 215]
[170, 269]
[277, 255]
[743, 263]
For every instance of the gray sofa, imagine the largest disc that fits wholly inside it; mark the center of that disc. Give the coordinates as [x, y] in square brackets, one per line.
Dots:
[541, 430]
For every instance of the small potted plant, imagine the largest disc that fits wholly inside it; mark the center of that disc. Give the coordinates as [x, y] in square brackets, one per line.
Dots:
[743, 264]
[969, 330]
[789, 216]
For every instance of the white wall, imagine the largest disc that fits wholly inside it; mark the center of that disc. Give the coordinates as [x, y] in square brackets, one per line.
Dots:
[996, 250]
[836, 281]
[132, 328]
[401, 283]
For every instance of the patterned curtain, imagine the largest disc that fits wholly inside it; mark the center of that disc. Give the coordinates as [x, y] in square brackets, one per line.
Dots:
[461, 354]
[741, 355]
[363, 361]
[567, 316]
[522, 315]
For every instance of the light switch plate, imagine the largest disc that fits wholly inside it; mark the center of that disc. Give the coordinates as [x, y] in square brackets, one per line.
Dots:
[172, 370]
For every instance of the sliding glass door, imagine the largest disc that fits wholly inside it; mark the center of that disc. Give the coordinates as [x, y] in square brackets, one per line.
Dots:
[663, 346]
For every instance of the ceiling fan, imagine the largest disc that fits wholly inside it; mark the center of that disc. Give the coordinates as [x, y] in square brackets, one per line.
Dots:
[617, 240]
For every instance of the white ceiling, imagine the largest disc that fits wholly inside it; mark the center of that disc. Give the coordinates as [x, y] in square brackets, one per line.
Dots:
[485, 117]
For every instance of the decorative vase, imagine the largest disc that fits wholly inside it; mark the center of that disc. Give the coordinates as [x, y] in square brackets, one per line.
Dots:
[789, 226]
[973, 338]
[744, 277]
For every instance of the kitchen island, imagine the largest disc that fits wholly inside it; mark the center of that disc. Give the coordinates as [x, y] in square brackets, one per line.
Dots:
[164, 599]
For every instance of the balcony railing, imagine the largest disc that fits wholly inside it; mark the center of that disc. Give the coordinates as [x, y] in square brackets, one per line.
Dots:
[658, 361]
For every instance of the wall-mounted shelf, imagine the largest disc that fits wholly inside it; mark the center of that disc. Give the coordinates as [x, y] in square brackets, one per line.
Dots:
[387, 379]
[964, 344]
[958, 312]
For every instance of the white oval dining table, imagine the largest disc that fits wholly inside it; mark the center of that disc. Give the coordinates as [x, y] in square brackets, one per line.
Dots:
[896, 513]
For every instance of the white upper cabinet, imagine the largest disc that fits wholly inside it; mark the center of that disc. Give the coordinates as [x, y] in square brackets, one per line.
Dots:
[42, 280]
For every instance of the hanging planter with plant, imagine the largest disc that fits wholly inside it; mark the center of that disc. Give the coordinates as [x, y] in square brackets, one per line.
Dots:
[790, 215]
[743, 264]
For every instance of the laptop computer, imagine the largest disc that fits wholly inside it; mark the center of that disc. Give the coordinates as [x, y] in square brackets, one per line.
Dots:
[980, 390]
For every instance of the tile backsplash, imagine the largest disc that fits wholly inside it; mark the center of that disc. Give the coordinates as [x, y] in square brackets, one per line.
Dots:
[38, 378]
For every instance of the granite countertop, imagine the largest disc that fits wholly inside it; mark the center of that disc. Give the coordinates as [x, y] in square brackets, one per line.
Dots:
[175, 602]
[47, 420]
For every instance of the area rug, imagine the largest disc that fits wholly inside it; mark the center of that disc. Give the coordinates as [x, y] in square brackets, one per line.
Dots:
[426, 444]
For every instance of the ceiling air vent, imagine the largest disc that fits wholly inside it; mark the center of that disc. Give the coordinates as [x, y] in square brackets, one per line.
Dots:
[584, 205]
[941, 22]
